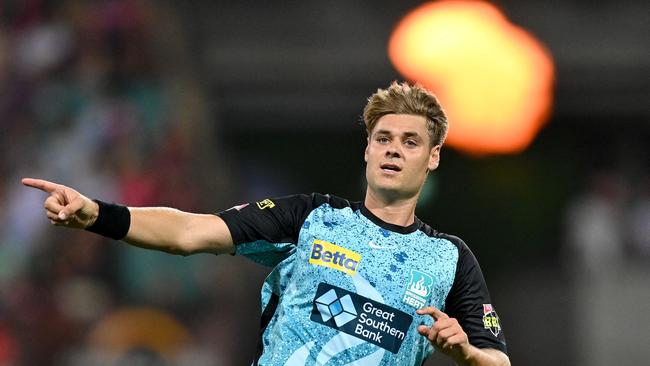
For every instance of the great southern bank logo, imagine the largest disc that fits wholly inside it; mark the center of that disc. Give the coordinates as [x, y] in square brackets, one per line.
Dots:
[361, 317]
[333, 256]
[330, 306]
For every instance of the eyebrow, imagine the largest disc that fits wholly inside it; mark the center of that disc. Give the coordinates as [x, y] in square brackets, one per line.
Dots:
[405, 134]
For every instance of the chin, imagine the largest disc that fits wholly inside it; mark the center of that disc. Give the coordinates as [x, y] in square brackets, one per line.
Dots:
[390, 187]
[387, 185]
[392, 191]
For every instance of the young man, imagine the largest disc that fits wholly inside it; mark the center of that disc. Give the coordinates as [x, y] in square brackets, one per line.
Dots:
[352, 283]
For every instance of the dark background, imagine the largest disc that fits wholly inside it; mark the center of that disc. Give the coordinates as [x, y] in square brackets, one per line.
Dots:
[207, 104]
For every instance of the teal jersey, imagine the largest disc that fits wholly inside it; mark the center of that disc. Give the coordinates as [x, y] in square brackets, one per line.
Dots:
[345, 285]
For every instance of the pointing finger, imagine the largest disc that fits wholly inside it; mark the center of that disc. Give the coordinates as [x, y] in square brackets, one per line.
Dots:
[41, 184]
[434, 312]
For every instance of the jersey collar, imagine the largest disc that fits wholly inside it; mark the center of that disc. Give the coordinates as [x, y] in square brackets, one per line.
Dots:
[391, 227]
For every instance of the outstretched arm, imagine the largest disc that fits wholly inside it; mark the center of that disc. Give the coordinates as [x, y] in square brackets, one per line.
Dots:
[159, 228]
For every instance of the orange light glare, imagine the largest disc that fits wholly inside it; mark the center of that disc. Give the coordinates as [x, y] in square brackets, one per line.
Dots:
[493, 78]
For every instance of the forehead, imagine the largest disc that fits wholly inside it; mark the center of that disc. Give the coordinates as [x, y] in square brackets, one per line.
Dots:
[401, 123]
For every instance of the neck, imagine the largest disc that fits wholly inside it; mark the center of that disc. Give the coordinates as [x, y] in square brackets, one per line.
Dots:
[397, 212]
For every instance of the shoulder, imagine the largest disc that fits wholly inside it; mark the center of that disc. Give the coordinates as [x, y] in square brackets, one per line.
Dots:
[454, 240]
[464, 256]
[336, 202]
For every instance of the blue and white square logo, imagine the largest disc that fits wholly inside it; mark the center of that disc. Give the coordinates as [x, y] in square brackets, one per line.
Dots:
[331, 306]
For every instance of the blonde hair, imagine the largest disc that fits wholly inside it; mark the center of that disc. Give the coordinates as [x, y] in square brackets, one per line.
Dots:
[402, 98]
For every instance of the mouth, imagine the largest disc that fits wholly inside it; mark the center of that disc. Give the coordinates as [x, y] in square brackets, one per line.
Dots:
[390, 167]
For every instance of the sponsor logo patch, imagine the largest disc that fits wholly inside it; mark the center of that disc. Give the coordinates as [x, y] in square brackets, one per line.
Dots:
[418, 289]
[491, 319]
[360, 317]
[267, 203]
[333, 256]
[330, 306]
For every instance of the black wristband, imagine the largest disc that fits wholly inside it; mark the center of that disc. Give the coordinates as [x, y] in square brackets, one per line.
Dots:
[113, 221]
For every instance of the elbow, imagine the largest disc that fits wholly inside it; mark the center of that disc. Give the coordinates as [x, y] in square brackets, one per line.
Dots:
[178, 250]
[495, 357]
[181, 245]
[189, 244]
[183, 248]
[503, 359]
[200, 236]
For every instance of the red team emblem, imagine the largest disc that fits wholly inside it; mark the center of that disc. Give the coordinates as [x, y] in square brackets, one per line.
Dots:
[487, 308]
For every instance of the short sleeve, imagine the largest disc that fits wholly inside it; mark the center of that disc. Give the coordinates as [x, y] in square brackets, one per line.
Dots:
[469, 302]
[267, 231]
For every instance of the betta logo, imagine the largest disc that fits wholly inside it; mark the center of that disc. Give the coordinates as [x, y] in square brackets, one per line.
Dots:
[333, 256]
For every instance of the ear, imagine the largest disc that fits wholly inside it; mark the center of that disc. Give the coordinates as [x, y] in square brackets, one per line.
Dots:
[365, 153]
[434, 158]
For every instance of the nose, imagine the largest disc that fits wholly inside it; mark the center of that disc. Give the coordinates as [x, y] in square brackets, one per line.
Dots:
[393, 150]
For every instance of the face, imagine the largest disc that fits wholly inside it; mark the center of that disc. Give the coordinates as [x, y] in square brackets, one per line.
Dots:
[399, 156]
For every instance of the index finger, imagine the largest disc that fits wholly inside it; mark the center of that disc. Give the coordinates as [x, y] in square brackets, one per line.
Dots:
[436, 313]
[41, 184]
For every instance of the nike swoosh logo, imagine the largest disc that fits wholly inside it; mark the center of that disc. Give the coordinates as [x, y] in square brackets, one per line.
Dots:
[375, 246]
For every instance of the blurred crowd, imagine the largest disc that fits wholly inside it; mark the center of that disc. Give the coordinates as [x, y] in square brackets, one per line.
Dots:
[104, 97]
[100, 96]
[608, 223]
[607, 254]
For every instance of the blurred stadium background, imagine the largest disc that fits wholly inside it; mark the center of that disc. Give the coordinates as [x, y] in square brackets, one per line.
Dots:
[203, 105]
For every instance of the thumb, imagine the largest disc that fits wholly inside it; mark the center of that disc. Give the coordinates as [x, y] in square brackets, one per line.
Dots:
[71, 208]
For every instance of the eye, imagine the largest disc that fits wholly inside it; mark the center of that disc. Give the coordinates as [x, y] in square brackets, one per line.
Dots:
[383, 140]
[411, 143]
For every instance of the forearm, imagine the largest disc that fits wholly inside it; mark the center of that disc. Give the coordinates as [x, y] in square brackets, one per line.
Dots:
[177, 232]
[158, 228]
[484, 357]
